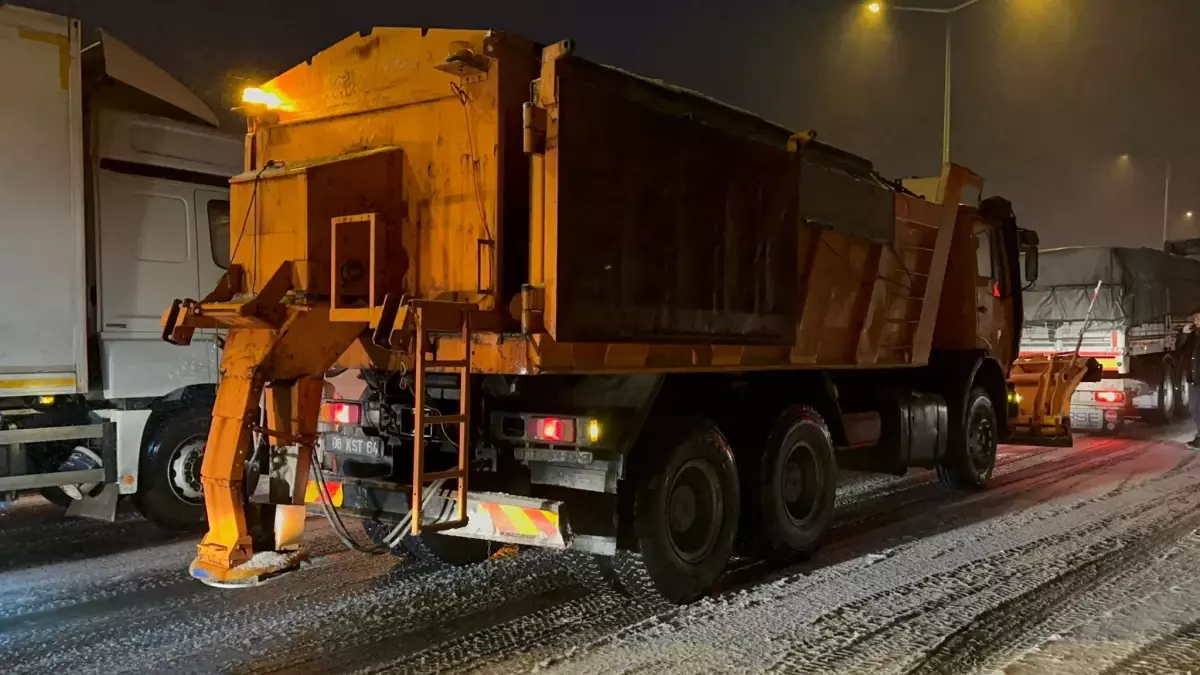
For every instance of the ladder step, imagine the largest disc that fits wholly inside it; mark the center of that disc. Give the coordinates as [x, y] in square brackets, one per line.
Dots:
[446, 364]
[445, 419]
[439, 475]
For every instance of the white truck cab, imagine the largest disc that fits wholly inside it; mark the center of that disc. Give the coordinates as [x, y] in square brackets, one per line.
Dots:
[113, 180]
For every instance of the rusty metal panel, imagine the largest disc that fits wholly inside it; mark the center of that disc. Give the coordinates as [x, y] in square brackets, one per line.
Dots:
[450, 100]
[853, 203]
[666, 229]
[288, 213]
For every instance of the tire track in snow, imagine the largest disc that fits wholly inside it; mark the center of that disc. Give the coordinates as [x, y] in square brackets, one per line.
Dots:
[1002, 627]
[881, 628]
[1178, 652]
[785, 611]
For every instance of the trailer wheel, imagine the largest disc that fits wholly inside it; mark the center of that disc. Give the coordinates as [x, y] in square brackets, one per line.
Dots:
[796, 483]
[1165, 408]
[169, 490]
[685, 513]
[971, 450]
[1182, 394]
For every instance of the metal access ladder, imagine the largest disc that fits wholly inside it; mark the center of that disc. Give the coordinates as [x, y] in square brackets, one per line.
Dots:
[427, 318]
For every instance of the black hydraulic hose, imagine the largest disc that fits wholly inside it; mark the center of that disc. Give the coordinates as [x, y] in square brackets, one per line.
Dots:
[335, 520]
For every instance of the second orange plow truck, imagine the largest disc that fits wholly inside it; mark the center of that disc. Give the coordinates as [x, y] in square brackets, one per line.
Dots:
[486, 291]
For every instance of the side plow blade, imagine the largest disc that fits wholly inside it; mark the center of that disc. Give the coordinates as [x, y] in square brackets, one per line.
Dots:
[1040, 390]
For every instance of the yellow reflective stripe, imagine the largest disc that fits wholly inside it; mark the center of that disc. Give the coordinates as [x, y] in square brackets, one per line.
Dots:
[64, 51]
[520, 520]
[48, 382]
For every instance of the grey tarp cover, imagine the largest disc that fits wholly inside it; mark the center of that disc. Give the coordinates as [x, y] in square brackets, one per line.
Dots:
[1141, 285]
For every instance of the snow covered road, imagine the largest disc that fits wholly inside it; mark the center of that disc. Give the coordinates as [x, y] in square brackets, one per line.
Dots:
[1078, 560]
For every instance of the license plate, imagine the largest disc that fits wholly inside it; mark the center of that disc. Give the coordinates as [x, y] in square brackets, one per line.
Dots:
[367, 446]
[1087, 419]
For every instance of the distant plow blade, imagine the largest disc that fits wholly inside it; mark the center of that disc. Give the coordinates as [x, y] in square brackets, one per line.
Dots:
[1040, 388]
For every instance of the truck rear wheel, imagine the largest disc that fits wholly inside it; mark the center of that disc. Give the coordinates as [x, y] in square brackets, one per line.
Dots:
[971, 450]
[796, 483]
[1165, 409]
[685, 514]
[1182, 394]
[169, 490]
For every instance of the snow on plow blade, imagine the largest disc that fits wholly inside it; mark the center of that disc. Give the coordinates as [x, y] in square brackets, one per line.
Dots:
[1041, 386]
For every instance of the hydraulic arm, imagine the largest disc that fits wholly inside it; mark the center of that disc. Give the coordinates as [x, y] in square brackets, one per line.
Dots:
[280, 345]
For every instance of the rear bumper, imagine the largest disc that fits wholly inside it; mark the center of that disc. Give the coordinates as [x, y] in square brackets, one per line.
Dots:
[16, 442]
[1098, 420]
[493, 516]
[1090, 414]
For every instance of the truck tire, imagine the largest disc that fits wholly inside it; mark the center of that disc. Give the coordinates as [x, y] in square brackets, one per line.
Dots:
[685, 514]
[971, 448]
[435, 550]
[169, 492]
[795, 482]
[1182, 393]
[56, 496]
[1164, 409]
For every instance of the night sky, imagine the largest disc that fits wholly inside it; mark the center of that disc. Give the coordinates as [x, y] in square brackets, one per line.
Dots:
[1048, 94]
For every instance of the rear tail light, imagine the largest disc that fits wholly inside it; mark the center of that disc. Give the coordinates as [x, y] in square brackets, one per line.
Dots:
[1109, 396]
[553, 429]
[341, 413]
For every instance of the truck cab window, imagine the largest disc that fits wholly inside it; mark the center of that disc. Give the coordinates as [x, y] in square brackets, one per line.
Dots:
[984, 251]
[218, 231]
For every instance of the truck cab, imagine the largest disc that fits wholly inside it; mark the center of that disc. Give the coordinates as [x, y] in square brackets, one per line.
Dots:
[115, 185]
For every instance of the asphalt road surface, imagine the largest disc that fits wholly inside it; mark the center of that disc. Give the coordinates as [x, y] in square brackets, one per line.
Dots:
[1083, 560]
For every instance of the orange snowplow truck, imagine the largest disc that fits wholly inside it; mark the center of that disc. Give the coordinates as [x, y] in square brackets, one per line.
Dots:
[485, 291]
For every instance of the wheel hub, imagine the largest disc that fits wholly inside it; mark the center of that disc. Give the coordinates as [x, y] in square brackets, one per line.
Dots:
[801, 483]
[694, 507]
[185, 470]
[982, 443]
[683, 508]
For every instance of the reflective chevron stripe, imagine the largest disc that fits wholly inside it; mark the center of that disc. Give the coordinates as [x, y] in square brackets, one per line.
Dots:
[312, 493]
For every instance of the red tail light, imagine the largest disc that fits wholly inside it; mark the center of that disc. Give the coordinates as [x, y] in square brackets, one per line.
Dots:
[554, 429]
[1109, 396]
[341, 413]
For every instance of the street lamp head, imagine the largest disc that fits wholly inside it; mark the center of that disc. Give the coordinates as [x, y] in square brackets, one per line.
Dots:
[875, 7]
[1189, 214]
[1124, 157]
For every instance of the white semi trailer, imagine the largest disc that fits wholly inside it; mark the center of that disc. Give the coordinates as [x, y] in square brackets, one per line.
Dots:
[113, 202]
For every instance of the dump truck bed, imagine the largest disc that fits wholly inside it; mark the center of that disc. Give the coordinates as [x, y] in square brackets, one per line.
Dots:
[607, 223]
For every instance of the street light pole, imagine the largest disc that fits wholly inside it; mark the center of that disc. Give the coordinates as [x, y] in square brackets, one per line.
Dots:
[1166, 204]
[946, 98]
[946, 13]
